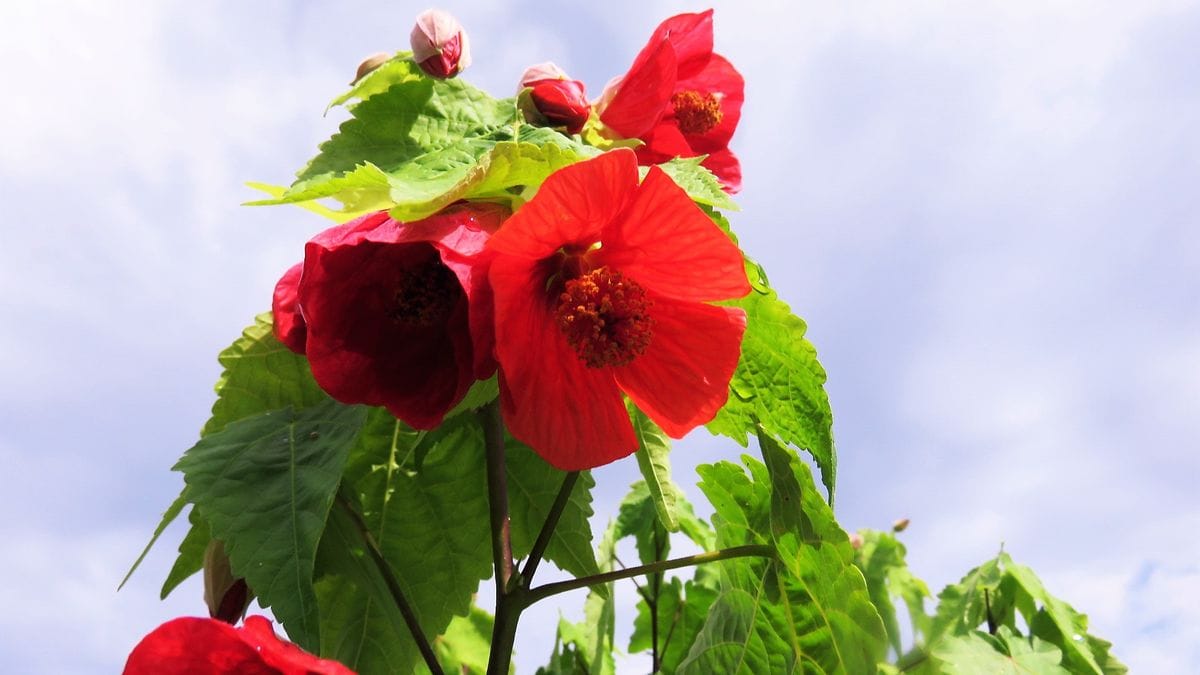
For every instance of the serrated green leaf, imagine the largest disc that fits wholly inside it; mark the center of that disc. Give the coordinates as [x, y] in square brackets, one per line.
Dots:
[779, 384]
[962, 607]
[654, 448]
[1002, 654]
[168, 517]
[277, 192]
[430, 522]
[881, 558]
[591, 642]
[681, 611]
[466, 645]
[698, 182]
[191, 553]
[410, 118]
[260, 374]
[265, 485]
[637, 518]
[397, 70]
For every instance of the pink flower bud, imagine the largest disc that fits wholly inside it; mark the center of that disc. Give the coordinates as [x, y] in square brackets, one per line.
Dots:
[856, 540]
[439, 44]
[557, 100]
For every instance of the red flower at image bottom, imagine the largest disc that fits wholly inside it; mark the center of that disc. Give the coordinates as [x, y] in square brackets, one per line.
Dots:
[195, 646]
[395, 314]
[679, 97]
[601, 287]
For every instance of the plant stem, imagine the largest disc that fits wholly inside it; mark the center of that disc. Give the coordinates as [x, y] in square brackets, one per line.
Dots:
[547, 590]
[393, 584]
[543, 538]
[508, 597]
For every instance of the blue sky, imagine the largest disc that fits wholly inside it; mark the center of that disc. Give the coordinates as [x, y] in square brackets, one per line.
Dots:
[985, 212]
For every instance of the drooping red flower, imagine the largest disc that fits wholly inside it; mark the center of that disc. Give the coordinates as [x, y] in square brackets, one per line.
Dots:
[601, 287]
[680, 98]
[399, 314]
[195, 646]
[288, 324]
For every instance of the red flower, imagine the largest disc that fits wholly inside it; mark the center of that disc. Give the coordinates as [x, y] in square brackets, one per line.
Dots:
[559, 100]
[680, 98]
[399, 314]
[601, 287]
[288, 324]
[194, 646]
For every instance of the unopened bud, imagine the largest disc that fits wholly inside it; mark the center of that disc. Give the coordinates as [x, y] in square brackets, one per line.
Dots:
[370, 63]
[227, 597]
[555, 100]
[439, 44]
[856, 540]
[900, 525]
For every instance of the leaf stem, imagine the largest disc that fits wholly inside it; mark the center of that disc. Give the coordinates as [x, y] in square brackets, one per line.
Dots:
[547, 590]
[393, 584]
[508, 596]
[543, 538]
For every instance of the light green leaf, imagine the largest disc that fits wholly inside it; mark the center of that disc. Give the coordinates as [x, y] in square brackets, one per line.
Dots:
[698, 182]
[779, 384]
[397, 70]
[466, 644]
[532, 486]
[881, 560]
[265, 485]
[681, 611]
[260, 374]
[410, 118]
[1003, 654]
[654, 446]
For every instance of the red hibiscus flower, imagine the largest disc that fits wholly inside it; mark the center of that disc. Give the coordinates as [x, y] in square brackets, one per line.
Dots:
[396, 314]
[680, 98]
[601, 287]
[194, 646]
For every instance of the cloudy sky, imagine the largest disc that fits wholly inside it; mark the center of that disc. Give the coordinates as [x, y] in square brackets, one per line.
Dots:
[986, 212]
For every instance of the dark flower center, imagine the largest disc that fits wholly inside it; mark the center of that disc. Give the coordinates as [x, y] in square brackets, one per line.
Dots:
[696, 113]
[605, 317]
[424, 295]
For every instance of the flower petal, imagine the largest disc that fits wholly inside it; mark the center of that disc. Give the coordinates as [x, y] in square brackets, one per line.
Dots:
[725, 166]
[286, 656]
[683, 378]
[691, 35]
[571, 415]
[638, 101]
[195, 646]
[287, 322]
[570, 207]
[717, 77]
[666, 243]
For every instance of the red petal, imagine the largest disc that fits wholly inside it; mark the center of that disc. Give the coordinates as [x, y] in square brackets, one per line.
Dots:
[725, 166]
[287, 657]
[692, 37]
[572, 415]
[288, 324]
[643, 93]
[570, 208]
[683, 378]
[194, 646]
[666, 243]
[718, 77]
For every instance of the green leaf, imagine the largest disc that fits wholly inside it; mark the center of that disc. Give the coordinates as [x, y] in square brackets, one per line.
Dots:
[466, 645]
[168, 517]
[413, 116]
[431, 525]
[962, 607]
[654, 446]
[681, 611]
[637, 517]
[260, 374]
[592, 640]
[779, 384]
[361, 625]
[809, 610]
[1002, 654]
[532, 487]
[191, 553]
[397, 70]
[265, 484]
[881, 560]
[698, 182]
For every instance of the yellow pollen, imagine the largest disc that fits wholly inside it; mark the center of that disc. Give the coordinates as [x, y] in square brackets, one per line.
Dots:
[605, 318]
[696, 113]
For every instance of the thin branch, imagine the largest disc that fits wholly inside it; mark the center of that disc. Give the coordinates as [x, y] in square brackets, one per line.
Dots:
[393, 584]
[543, 538]
[547, 590]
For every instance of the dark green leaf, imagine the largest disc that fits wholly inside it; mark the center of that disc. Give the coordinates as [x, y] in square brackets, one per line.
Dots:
[265, 485]
[168, 517]
[191, 553]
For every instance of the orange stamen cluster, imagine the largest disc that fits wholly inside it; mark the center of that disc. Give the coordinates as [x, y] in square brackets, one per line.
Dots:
[605, 317]
[424, 295]
[696, 113]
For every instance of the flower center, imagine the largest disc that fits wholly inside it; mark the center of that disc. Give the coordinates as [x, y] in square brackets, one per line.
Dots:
[696, 113]
[605, 317]
[424, 295]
